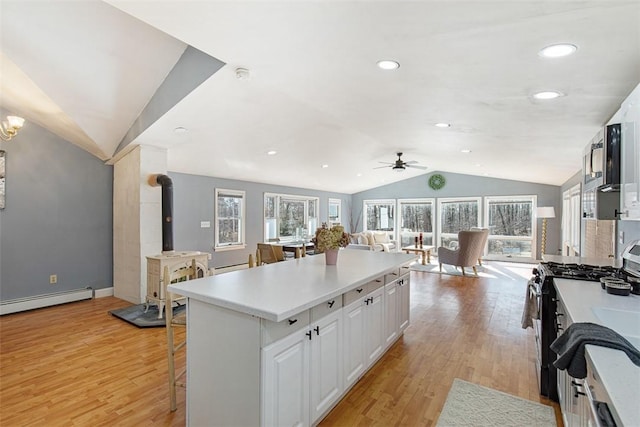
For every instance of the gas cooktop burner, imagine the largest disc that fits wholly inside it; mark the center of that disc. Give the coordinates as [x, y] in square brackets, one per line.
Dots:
[580, 271]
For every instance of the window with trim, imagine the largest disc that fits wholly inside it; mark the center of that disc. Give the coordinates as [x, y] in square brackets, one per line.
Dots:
[510, 221]
[454, 215]
[379, 215]
[230, 219]
[571, 216]
[416, 216]
[288, 217]
[335, 214]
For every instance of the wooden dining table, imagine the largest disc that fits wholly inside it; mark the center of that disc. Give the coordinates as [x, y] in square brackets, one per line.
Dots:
[293, 246]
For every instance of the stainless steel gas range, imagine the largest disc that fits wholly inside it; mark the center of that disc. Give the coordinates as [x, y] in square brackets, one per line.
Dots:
[547, 327]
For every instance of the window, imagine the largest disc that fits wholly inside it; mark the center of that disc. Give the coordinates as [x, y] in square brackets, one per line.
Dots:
[335, 211]
[416, 216]
[456, 215]
[289, 217]
[379, 215]
[571, 221]
[230, 219]
[510, 222]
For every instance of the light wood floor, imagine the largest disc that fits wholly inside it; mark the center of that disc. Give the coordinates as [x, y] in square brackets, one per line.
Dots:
[77, 365]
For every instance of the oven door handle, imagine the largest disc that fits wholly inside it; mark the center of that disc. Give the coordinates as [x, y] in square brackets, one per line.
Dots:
[533, 290]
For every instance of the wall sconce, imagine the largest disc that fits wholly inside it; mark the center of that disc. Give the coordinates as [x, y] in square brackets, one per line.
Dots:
[10, 127]
[544, 213]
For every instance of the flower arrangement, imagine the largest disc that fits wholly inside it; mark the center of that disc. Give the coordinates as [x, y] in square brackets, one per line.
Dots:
[330, 238]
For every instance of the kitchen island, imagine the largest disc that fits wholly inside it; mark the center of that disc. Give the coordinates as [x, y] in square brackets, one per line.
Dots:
[282, 343]
[614, 378]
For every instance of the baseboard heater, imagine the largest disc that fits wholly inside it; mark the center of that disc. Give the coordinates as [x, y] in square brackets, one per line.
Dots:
[45, 300]
[229, 268]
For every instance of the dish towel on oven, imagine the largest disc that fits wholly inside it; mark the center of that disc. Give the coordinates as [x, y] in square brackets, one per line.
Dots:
[530, 307]
[570, 346]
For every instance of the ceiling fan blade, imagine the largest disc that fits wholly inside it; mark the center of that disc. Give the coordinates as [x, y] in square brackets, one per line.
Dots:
[411, 162]
[387, 163]
[382, 167]
[416, 167]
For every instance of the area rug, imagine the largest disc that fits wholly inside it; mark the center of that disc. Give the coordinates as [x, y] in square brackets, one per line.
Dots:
[136, 316]
[488, 269]
[470, 404]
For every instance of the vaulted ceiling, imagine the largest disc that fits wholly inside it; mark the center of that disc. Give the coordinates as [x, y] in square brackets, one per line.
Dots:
[88, 71]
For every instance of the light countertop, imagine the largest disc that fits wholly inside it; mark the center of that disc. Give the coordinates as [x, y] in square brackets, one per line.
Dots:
[582, 260]
[281, 290]
[620, 377]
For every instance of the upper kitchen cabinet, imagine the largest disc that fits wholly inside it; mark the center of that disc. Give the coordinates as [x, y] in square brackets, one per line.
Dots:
[630, 173]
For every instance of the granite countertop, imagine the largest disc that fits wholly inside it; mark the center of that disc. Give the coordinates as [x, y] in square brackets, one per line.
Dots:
[619, 376]
[281, 290]
[582, 260]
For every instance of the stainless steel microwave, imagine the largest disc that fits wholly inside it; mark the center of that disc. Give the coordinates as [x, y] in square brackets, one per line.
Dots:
[601, 164]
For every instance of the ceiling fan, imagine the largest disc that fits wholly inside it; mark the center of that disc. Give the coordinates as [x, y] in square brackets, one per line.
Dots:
[400, 165]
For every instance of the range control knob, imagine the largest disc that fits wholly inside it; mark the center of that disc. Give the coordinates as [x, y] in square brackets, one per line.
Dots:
[535, 271]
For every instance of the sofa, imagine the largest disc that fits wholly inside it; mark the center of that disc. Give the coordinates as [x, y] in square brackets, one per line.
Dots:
[373, 241]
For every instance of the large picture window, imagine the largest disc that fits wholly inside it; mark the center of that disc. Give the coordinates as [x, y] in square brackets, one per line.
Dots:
[379, 215]
[456, 215]
[230, 219]
[511, 227]
[416, 216]
[288, 218]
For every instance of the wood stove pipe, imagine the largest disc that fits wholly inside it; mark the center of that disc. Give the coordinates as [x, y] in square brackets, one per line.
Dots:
[167, 209]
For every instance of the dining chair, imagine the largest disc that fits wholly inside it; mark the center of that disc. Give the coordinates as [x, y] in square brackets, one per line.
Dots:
[270, 253]
[188, 272]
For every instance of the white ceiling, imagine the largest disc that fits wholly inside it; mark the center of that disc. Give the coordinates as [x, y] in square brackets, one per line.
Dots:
[314, 92]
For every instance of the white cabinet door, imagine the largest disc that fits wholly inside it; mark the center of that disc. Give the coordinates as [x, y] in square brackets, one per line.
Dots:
[391, 307]
[285, 381]
[353, 342]
[326, 363]
[374, 330]
[630, 173]
[404, 303]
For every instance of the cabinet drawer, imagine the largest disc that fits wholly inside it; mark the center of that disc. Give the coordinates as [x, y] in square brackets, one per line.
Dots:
[391, 276]
[321, 310]
[273, 331]
[405, 269]
[375, 284]
[354, 294]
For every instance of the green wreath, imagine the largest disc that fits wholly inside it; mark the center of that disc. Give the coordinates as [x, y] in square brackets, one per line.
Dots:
[437, 181]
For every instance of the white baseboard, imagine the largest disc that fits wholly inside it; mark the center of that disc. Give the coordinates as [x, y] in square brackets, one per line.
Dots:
[229, 268]
[104, 292]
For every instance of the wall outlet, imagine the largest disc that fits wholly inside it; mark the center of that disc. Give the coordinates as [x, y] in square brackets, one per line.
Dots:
[205, 224]
[53, 279]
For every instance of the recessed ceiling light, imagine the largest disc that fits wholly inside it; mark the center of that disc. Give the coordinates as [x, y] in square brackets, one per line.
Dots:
[272, 153]
[180, 129]
[442, 125]
[558, 50]
[551, 94]
[478, 165]
[325, 166]
[358, 174]
[466, 150]
[387, 64]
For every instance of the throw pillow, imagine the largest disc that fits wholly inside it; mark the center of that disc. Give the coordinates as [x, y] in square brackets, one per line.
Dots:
[381, 237]
[370, 240]
[362, 239]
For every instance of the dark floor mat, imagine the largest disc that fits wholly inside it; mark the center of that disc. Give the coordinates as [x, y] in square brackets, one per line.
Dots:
[136, 316]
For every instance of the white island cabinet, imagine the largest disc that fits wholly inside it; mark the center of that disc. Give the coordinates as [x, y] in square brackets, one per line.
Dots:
[268, 346]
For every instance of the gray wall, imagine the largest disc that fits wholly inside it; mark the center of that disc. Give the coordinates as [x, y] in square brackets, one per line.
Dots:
[58, 217]
[194, 201]
[460, 185]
